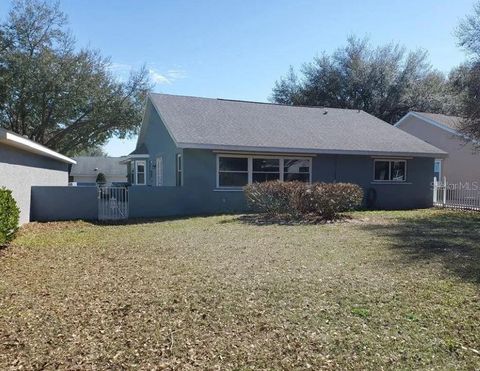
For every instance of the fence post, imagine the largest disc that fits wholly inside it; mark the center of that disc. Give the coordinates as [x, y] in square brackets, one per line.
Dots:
[434, 190]
[444, 191]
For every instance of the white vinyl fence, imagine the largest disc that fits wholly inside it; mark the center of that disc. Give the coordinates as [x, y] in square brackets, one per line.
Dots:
[112, 203]
[456, 195]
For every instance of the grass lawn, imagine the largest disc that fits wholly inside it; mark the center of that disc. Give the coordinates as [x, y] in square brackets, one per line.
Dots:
[384, 290]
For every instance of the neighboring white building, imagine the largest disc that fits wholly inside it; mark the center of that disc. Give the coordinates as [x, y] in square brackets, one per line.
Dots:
[86, 170]
[24, 163]
[463, 162]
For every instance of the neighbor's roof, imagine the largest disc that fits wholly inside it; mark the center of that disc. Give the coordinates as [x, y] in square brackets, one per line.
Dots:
[239, 125]
[451, 122]
[14, 140]
[91, 166]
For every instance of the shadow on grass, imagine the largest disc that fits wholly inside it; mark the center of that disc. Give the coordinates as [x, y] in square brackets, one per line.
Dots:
[262, 219]
[452, 237]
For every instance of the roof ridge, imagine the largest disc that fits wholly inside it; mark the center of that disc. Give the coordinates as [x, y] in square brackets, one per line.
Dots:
[257, 102]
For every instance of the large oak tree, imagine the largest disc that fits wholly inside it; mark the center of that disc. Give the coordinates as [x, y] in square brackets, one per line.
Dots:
[386, 81]
[467, 76]
[56, 94]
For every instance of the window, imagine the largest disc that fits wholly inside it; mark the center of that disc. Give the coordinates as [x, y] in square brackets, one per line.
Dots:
[179, 167]
[232, 171]
[140, 172]
[265, 169]
[237, 171]
[437, 169]
[390, 170]
[296, 169]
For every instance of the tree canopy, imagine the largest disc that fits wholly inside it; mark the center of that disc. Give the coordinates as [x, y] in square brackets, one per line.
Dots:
[467, 76]
[385, 81]
[55, 94]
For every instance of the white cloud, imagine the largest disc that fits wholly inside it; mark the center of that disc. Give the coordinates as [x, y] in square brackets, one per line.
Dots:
[122, 72]
[167, 77]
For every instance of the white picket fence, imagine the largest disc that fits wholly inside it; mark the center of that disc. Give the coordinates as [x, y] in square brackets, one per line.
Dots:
[464, 196]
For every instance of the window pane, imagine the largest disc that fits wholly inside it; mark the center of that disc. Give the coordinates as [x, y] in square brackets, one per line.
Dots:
[233, 164]
[270, 164]
[296, 166]
[140, 178]
[179, 162]
[264, 177]
[232, 179]
[398, 171]
[381, 170]
[140, 168]
[301, 177]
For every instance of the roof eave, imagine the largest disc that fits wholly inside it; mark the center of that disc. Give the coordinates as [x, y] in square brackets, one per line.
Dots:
[25, 144]
[220, 147]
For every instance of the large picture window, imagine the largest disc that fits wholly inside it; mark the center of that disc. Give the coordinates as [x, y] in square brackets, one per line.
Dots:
[390, 170]
[238, 171]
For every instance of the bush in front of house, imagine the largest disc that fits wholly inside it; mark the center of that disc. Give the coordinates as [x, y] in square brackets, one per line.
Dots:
[9, 216]
[101, 179]
[272, 198]
[298, 200]
[327, 199]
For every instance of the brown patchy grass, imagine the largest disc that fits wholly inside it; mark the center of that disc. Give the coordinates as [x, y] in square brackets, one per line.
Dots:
[384, 290]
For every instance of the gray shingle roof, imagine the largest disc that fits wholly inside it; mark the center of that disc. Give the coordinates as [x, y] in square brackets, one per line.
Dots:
[226, 124]
[452, 122]
[110, 166]
[140, 150]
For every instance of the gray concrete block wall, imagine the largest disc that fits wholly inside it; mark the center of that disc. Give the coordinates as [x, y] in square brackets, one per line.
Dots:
[64, 203]
[158, 202]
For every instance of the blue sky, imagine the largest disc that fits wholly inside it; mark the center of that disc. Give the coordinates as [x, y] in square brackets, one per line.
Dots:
[238, 48]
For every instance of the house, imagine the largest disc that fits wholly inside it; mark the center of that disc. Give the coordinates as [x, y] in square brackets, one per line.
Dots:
[202, 151]
[24, 163]
[463, 162]
[86, 170]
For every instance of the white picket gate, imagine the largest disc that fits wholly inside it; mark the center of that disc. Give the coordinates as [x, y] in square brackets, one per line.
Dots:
[456, 195]
[112, 203]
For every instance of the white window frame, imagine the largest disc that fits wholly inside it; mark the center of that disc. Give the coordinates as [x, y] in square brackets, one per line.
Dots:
[440, 173]
[390, 160]
[144, 163]
[250, 167]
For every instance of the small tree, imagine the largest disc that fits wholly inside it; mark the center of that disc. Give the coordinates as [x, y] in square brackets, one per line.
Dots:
[101, 179]
[9, 216]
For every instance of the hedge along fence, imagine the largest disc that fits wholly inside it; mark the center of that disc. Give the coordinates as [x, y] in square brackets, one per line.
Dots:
[297, 199]
[9, 216]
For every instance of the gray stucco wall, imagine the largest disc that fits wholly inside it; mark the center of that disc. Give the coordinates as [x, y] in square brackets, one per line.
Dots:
[64, 203]
[200, 196]
[159, 144]
[416, 192]
[154, 202]
[20, 170]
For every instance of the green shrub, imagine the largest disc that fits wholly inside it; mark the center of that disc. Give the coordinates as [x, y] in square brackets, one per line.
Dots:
[296, 199]
[101, 179]
[273, 197]
[327, 199]
[9, 216]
